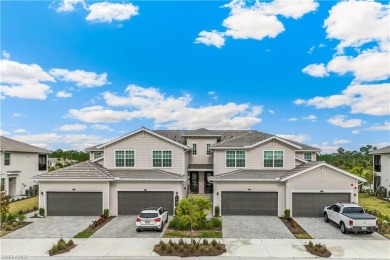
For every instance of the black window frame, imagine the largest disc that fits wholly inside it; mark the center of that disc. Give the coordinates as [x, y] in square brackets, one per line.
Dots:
[42, 164]
[7, 159]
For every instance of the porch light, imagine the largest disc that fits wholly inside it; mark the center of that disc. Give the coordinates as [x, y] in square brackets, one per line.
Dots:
[217, 193]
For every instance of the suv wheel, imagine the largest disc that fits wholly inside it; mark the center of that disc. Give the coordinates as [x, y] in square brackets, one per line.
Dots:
[161, 227]
[138, 229]
[326, 217]
[342, 228]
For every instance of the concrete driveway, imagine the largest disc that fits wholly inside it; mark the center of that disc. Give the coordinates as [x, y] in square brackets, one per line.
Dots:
[319, 229]
[52, 227]
[260, 227]
[124, 227]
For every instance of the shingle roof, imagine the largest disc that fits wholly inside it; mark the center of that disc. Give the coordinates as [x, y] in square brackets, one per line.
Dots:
[251, 175]
[146, 174]
[245, 139]
[200, 166]
[93, 148]
[7, 144]
[201, 132]
[382, 150]
[301, 168]
[84, 170]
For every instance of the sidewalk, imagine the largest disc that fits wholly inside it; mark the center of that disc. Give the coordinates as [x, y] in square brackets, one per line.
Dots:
[136, 248]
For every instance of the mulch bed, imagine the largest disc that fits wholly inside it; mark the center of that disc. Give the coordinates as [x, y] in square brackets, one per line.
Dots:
[208, 251]
[187, 234]
[318, 252]
[294, 227]
[94, 229]
[68, 248]
[18, 227]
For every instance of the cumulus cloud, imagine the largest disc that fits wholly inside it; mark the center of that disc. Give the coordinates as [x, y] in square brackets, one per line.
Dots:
[292, 119]
[63, 94]
[271, 111]
[69, 5]
[3, 132]
[168, 111]
[5, 55]
[312, 118]
[72, 127]
[213, 38]
[298, 138]
[355, 132]
[101, 127]
[341, 141]
[24, 80]
[370, 99]
[81, 78]
[379, 127]
[108, 12]
[20, 130]
[315, 70]
[326, 147]
[342, 121]
[258, 20]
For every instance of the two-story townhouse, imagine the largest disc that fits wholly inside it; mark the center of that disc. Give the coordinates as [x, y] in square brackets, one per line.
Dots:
[381, 164]
[246, 172]
[19, 163]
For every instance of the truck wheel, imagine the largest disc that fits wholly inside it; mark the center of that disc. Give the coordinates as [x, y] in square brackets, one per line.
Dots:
[326, 218]
[342, 228]
[369, 232]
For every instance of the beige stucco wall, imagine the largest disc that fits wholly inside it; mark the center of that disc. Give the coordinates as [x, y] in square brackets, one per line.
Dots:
[141, 186]
[201, 157]
[321, 179]
[255, 158]
[27, 164]
[253, 186]
[79, 186]
[143, 144]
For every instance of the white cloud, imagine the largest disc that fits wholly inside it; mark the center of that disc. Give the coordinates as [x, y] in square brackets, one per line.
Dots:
[17, 114]
[292, 119]
[63, 94]
[381, 145]
[298, 138]
[366, 21]
[3, 132]
[341, 141]
[326, 148]
[212, 93]
[23, 80]
[371, 99]
[378, 127]
[44, 146]
[312, 118]
[80, 77]
[108, 12]
[311, 49]
[6, 55]
[316, 70]
[258, 20]
[211, 38]
[69, 5]
[355, 132]
[321, 45]
[20, 131]
[271, 111]
[72, 127]
[342, 121]
[101, 127]
[168, 112]
[368, 66]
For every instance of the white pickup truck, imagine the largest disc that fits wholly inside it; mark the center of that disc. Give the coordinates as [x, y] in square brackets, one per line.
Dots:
[350, 217]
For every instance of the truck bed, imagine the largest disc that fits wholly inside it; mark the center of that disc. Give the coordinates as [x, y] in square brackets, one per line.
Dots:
[359, 216]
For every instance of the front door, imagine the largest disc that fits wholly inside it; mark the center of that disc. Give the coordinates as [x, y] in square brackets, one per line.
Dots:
[194, 182]
[208, 186]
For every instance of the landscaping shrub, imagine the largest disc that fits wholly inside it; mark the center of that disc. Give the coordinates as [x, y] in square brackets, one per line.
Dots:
[61, 246]
[53, 250]
[170, 242]
[7, 227]
[14, 224]
[181, 241]
[106, 213]
[217, 222]
[11, 218]
[217, 211]
[21, 217]
[163, 246]
[311, 244]
[41, 212]
[205, 242]
[169, 249]
[214, 243]
[287, 214]
[176, 246]
[70, 243]
[181, 248]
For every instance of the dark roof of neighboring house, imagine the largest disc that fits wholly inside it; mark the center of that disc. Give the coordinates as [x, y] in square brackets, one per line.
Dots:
[382, 150]
[146, 174]
[251, 175]
[7, 144]
[84, 170]
[200, 166]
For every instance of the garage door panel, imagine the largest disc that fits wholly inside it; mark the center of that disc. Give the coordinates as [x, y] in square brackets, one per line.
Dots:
[249, 203]
[133, 202]
[313, 204]
[74, 203]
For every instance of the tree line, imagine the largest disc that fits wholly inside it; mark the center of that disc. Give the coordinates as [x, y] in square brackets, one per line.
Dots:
[75, 155]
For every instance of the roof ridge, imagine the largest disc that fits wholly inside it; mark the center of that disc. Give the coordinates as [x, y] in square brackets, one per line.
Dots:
[224, 141]
[23, 143]
[228, 173]
[171, 173]
[99, 170]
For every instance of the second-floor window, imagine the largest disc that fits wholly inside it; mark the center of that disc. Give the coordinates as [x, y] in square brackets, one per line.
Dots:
[7, 159]
[97, 155]
[307, 156]
[273, 159]
[208, 152]
[235, 159]
[377, 163]
[162, 158]
[42, 162]
[194, 151]
[124, 158]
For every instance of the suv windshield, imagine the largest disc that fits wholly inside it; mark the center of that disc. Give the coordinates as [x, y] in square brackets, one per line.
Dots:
[148, 215]
[353, 210]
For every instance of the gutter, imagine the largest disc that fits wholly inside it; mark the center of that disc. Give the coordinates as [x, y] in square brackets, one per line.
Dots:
[250, 180]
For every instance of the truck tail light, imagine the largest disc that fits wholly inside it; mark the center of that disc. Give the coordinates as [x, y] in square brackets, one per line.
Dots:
[351, 223]
[377, 223]
[138, 220]
[157, 219]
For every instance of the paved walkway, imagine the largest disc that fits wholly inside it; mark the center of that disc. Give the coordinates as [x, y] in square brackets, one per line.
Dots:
[135, 248]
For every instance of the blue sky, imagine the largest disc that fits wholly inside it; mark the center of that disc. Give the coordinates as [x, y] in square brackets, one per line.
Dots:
[77, 73]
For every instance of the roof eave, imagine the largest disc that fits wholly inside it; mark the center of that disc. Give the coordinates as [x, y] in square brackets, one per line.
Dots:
[148, 180]
[72, 179]
[246, 180]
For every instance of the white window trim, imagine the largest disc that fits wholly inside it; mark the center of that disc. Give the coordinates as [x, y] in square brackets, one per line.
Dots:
[235, 158]
[161, 150]
[125, 167]
[273, 159]
[208, 145]
[94, 155]
[311, 156]
[196, 149]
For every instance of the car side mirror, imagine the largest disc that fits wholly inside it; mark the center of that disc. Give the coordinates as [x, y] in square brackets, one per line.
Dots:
[328, 207]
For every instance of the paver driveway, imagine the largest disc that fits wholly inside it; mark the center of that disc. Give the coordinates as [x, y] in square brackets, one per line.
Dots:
[319, 229]
[52, 227]
[124, 227]
[261, 227]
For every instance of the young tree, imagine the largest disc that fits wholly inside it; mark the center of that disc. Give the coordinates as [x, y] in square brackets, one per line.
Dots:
[192, 211]
[4, 205]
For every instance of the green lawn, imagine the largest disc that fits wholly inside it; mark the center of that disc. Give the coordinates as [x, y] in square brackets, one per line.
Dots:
[373, 203]
[24, 205]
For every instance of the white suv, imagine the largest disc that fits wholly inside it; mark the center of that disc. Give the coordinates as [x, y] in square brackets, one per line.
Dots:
[152, 218]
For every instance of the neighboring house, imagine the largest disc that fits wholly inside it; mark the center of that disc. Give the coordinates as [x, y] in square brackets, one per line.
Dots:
[381, 164]
[19, 163]
[245, 172]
